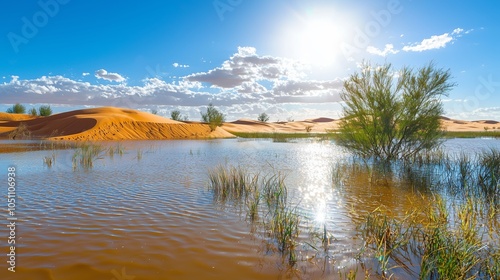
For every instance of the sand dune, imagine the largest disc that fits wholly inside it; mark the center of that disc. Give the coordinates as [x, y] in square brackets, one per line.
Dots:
[321, 125]
[109, 123]
[460, 125]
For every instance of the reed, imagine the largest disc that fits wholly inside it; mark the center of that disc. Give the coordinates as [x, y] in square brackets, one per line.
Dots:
[283, 227]
[118, 149]
[49, 160]
[85, 155]
[139, 154]
[281, 223]
[275, 192]
[231, 183]
[447, 243]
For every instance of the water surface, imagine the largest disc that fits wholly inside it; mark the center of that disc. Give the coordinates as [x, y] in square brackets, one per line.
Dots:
[149, 213]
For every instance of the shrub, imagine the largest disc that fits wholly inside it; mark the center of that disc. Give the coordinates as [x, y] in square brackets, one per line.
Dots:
[33, 112]
[45, 111]
[213, 117]
[17, 109]
[389, 120]
[177, 116]
[263, 117]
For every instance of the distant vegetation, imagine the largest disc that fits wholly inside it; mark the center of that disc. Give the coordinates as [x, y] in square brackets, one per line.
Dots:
[177, 116]
[33, 112]
[45, 111]
[263, 117]
[387, 119]
[213, 117]
[17, 109]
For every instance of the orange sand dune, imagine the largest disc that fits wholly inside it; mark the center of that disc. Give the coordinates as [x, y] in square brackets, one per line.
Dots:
[14, 117]
[459, 125]
[109, 123]
[321, 125]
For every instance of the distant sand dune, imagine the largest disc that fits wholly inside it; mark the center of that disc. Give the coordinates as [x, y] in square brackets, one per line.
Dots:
[110, 123]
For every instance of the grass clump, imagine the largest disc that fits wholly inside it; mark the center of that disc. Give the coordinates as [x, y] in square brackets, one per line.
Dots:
[280, 222]
[119, 149]
[439, 241]
[231, 183]
[20, 133]
[283, 227]
[85, 155]
[49, 160]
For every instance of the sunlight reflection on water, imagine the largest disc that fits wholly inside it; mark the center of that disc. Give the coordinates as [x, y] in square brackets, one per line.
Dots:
[155, 216]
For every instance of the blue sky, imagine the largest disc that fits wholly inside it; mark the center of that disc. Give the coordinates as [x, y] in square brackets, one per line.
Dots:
[285, 58]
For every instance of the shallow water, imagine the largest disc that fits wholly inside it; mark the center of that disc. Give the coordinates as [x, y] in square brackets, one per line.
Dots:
[148, 214]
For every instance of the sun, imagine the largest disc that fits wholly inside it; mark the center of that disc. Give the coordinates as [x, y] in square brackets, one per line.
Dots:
[313, 38]
[317, 42]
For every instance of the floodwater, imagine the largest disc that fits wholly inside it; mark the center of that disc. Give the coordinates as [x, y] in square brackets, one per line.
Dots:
[148, 214]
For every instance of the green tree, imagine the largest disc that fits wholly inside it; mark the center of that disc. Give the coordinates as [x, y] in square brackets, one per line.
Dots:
[45, 111]
[33, 112]
[213, 117]
[177, 116]
[17, 109]
[263, 117]
[393, 118]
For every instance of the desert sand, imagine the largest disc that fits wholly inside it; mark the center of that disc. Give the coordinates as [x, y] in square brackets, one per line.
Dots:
[110, 123]
[106, 123]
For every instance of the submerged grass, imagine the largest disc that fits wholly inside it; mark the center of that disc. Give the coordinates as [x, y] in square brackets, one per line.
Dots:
[453, 238]
[279, 221]
[445, 244]
[85, 155]
[49, 160]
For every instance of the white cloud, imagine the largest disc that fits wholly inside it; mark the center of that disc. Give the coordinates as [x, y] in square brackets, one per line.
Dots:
[244, 81]
[389, 49]
[113, 77]
[436, 41]
[457, 31]
[85, 74]
[247, 67]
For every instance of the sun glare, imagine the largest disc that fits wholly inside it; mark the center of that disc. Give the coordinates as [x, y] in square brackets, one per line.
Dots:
[313, 38]
[317, 42]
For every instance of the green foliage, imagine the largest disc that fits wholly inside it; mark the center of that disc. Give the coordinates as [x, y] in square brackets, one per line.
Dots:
[17, 109]
[387, 119]
[33, 112]
[154, 111]
[263, 117]
[177, 116]
[213, 117]
[45, 111]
